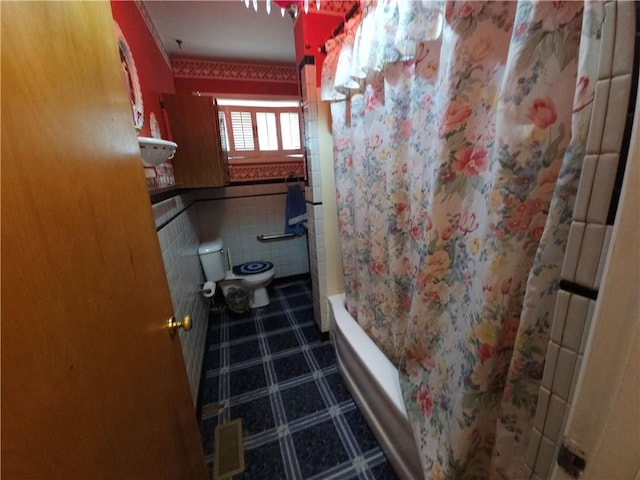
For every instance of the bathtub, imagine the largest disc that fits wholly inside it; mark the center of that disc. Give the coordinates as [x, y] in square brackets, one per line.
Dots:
[373, 382]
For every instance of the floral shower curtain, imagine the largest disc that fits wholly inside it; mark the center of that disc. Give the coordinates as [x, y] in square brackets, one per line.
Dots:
[459, 131]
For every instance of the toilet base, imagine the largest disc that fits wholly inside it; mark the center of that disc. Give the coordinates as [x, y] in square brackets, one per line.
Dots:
[260, 298]
[256, 284]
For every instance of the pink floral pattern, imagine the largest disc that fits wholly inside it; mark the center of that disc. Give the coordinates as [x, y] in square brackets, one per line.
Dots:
[455, 115]
[456, 171]
[542, 112]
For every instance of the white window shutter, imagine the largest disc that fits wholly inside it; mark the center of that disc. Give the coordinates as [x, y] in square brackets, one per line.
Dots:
[242, 128]
[290, 127]
[267, 131]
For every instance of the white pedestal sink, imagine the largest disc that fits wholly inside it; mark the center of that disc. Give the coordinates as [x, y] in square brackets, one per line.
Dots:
[156, 151]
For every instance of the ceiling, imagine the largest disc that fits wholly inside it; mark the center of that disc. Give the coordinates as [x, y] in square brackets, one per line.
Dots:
[224, 29]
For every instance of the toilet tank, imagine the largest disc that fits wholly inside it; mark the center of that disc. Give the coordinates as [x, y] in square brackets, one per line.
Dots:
[213, 260]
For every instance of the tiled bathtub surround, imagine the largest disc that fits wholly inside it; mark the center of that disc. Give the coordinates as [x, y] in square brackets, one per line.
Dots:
[179, 245]
[272, 368]
[313, 195]
[589, 236]
[324, 247]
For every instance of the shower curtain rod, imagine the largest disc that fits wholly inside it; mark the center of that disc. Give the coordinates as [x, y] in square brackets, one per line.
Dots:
[352, 11]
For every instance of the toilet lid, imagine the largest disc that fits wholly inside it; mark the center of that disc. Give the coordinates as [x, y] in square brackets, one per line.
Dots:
[251, 268]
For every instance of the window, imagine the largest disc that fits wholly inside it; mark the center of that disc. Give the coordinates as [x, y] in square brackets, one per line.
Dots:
[267, 131]
[241, 127]
[290, 125]
[259, 129]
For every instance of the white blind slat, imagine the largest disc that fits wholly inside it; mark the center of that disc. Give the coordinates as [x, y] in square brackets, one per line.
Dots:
[242, 131]
[224, 138]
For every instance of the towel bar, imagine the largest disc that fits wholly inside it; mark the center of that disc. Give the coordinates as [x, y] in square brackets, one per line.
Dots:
[278, 236]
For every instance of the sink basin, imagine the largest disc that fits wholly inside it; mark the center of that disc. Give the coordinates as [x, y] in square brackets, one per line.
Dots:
[156, 151]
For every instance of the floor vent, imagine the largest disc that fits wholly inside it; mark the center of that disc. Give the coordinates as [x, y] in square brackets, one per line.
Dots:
[228, 450]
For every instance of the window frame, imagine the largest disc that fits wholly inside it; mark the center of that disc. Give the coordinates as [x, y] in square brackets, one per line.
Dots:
[251, 156]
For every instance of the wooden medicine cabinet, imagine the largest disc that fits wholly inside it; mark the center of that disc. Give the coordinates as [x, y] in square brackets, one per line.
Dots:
[199, 160]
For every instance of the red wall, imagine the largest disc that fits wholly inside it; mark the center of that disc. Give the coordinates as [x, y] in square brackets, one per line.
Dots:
[154, 74]
[310, 33]
[211, 85]
[156, 77]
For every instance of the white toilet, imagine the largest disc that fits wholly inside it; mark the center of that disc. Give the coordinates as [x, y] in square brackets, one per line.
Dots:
[253, 276]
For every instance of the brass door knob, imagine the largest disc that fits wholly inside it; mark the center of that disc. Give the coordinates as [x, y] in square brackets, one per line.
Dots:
[174, 325]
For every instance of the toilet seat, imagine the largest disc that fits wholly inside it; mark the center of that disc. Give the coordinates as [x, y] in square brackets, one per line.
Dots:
[252, 268]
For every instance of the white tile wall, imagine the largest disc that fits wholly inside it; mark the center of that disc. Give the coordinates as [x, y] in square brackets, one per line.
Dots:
[590, 254]
[555, 415]
[308, 78]
[616, 113]
[608, 41]
[318, 262]
[603, 256]
[550, 365]
[572, 254]
[541, 409]
[179, 244]
[545, 457]
[623, 49]
[313, 195]
[559, 316]
[311, 135]
[563, 375]
[596, 126]
[574, 381]
[238, 220]
[571, 321]
[588, 241]
[534, 445]
[587, 326]
[585, 187]
[237, 215]
[605, 172]
[574, 324]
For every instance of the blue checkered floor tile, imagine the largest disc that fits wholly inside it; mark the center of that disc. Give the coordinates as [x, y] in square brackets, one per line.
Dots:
[273, 368]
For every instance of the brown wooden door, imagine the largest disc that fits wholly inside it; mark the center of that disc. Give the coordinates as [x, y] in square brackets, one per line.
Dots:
[93, 385]
[199, 160]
